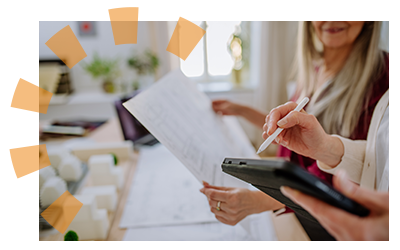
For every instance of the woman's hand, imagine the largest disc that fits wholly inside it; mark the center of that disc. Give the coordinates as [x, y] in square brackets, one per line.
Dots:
[252, 115]
[303, 134]
[237, 203]
[226, 107]
[341, 224]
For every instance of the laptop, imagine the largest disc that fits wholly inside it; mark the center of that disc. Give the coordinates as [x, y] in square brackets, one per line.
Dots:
[131, 128]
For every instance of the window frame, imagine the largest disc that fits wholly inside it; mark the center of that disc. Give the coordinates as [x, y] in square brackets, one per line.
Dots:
[206, 78]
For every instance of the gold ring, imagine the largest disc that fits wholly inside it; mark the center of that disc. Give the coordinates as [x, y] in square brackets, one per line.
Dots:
[218, 206]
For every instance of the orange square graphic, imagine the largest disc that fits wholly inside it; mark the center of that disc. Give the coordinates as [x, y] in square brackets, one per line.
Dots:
[24, 96]
[25, 160]
[181, 18]
[66, 46]
[44, 100]
[62, 211]
[185, 38]
[125, 32]
[29, 159]
[44, 159]
[30, 97]
[124, 23]
[124, 14]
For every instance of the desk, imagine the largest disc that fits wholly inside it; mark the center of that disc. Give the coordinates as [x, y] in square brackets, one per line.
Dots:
[108, 132]
[287, 226]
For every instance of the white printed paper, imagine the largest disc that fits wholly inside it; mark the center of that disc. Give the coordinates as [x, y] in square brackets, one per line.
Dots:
[182, 119]
[164, 192]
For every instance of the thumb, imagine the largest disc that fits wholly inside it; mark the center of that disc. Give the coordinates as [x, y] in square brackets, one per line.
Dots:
[297, 118]
[369, 198]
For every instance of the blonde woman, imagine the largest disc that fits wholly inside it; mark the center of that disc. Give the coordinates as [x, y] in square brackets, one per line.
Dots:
[340, 68]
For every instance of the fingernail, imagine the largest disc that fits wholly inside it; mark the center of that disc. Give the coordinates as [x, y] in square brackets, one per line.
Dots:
[284, 143]
[202, 190]
[282, 122]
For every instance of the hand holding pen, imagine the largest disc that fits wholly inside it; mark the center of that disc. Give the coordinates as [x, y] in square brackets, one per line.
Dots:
[302, 133]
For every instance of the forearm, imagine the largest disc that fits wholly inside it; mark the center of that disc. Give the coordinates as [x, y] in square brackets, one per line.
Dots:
[254, 116]
[264, 202]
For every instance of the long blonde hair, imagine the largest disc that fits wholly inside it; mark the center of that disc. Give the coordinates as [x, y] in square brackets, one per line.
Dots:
[338, 105]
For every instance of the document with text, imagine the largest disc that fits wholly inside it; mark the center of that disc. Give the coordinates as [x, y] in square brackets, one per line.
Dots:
[181, 118]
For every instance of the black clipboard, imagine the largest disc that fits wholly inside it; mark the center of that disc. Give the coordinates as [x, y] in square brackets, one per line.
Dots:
[269, 175]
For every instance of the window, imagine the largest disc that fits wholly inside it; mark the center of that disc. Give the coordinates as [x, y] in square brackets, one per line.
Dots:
[211, 59]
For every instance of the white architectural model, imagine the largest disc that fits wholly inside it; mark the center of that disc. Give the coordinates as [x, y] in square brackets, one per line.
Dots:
[53, 188]
[90, 223]
[70, 168]
[57, 154]
[123, 150]
[45, 174]
[104, 172]
[106, 196]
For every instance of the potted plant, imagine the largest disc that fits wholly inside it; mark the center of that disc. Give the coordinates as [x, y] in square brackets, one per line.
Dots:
[71, 236]
[145, 66]
[106, 69]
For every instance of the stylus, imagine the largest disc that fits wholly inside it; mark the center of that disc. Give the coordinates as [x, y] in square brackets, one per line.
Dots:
[270, 139]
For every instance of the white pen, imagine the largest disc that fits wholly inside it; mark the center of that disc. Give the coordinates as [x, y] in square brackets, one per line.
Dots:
[279, 130]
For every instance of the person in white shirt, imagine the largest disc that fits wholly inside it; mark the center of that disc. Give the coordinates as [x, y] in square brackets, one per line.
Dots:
[365, 162]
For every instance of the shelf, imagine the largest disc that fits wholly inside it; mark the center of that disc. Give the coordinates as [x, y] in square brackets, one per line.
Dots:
[84, 98]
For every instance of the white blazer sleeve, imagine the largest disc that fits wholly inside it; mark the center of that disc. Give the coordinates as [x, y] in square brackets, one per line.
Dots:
[352, 161]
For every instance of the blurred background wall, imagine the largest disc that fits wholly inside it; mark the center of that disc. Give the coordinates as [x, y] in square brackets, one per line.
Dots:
[267, 51]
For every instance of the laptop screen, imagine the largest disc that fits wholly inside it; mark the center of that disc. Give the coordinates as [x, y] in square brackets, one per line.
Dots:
[132, 129]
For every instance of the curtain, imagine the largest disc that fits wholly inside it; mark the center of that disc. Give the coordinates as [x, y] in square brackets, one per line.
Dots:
[160, 35]
[275, 59]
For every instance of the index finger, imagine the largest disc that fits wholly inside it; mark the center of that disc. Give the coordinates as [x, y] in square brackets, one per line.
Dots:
[278, 113]
[217, 102]
[371, 199]
[216, 195]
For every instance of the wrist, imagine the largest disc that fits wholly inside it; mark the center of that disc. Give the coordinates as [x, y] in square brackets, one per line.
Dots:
[331, 152]
[265, 202]
[252, 115]
[240, 110]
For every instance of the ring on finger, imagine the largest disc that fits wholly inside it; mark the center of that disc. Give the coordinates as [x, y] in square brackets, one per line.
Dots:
[219, 206]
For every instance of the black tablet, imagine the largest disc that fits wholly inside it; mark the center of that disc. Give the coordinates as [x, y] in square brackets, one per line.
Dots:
[270, 175]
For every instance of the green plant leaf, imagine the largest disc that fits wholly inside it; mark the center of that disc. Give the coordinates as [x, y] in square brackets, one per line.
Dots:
[115, 158]
[101, 67]
[71, 236]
